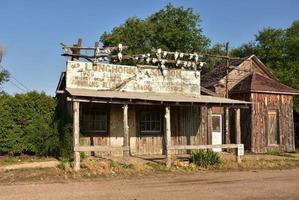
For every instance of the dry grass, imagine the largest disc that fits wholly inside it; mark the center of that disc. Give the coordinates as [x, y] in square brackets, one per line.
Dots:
[8, 160]
[95, 167]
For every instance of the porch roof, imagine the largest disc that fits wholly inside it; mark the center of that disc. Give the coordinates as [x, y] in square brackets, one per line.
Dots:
[155, 97]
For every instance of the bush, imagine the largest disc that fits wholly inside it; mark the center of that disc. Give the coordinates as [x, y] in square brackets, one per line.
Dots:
[32, 123]
[205, 158]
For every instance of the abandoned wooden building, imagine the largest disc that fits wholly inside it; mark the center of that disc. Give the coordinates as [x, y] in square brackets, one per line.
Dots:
[142, 110]
[269, 124]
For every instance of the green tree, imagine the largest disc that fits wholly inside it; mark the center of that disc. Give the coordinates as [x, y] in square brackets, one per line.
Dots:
[171, 28]
[4, 75]
[278, 49]
[32, 123]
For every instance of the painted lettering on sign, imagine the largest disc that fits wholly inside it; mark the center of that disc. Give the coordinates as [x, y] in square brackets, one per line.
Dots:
[103, 76]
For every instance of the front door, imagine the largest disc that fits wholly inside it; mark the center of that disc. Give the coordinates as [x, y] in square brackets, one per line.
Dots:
[217, 131]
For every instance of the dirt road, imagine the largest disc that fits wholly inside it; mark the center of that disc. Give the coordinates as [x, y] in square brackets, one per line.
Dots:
[270, 184]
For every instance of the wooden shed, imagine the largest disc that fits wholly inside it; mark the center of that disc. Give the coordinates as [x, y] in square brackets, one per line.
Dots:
[269, 124]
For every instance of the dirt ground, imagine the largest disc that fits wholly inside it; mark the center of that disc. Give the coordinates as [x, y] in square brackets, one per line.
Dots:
[260, 184]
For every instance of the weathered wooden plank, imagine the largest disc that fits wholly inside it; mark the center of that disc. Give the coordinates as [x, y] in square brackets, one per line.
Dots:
[106, 148]
[168, 136]
[226, 118]
[238, 131]
[126, 131]
[193, 147]
[238, 126]
[76, 130]
[209, 128]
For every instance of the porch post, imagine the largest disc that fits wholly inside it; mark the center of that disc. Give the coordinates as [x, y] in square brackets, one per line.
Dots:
[238, 131]
[76, 130]
[168, 136]
[226, 118]
[126, 151]
[209, 128]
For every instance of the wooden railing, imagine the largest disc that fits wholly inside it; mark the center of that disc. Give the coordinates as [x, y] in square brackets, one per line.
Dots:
[239, 149]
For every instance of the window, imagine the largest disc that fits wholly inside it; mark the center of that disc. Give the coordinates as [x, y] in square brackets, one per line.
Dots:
[94, 120]
[216, 123]
[150, 121]
[273, 133]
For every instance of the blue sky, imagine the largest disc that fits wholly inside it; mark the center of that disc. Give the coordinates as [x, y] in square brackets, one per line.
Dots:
[31, 30]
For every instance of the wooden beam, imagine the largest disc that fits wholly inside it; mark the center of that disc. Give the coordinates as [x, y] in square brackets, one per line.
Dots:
[76, 130]
[144, 102]
[126, 151]
[192, 147]
[238, 126]
[168, 136]
[209, 124]
[105, 148]
[238, 132]
[227, 132]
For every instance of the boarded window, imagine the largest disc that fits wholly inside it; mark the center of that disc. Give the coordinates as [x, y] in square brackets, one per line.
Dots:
[94, 120]
[273, 132]
[150, 121]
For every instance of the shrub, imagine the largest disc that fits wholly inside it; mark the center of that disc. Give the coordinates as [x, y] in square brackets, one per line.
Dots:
[204, 158]
[33, 123]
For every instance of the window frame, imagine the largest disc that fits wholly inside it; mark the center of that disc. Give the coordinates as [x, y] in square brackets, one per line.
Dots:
[94, 109]
[150, 132]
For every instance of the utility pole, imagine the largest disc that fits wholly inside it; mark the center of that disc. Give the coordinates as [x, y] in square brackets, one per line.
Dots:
[227, 66]
[226, 111]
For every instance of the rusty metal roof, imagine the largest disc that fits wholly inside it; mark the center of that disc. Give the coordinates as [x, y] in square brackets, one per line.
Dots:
[149, 96]
[256, 82]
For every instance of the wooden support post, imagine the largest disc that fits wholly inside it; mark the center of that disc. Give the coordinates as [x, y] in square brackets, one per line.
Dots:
[126, 152]
[226, 118]
[209, 128]
[238, 131]
[76, 130]
[168, 136]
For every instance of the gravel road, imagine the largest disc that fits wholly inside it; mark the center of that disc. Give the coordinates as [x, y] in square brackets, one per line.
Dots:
[268, 184]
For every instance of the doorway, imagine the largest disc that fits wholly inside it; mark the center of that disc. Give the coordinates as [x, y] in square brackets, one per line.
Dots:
[217, 131]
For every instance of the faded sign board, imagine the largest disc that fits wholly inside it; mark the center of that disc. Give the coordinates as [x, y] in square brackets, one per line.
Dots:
[104, 76]
[240, 150]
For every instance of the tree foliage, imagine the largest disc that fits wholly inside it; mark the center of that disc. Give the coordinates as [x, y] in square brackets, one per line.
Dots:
[4, 76]
[278, 49]
[171, 28]
[32, 123]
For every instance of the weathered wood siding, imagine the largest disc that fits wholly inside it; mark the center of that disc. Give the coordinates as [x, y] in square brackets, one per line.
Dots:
[188, 127]
[245, 121]
[283, 104]
[185, 127]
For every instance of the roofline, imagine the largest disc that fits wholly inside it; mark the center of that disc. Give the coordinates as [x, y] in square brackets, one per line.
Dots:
[263, 66]
[62, 75]
[264, 91]
[207, 91]
[94, 94]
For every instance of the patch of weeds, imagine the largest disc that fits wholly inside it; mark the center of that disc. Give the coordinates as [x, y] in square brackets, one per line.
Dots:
[205, 158]
[279, 153]
[65, 165]
[82, 155]
[156, 166]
